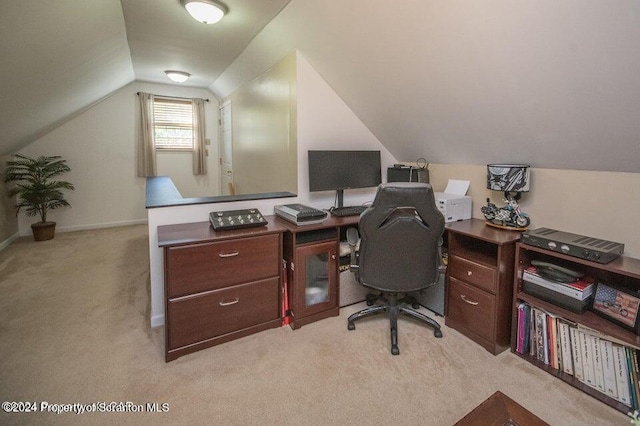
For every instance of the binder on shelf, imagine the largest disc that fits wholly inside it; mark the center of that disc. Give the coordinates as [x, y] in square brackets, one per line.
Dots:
[587, 359]
[565, 346]
[622, 374]
[598, 373]
[608, 371]
[578, 369]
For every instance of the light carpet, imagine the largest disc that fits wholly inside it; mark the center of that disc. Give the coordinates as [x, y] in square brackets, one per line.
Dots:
[74, 329]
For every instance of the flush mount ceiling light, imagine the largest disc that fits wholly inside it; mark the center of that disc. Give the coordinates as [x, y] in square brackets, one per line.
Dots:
[205, 11]
[177, 76]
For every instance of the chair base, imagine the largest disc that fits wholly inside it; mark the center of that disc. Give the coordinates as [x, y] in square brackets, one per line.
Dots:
[394, 307]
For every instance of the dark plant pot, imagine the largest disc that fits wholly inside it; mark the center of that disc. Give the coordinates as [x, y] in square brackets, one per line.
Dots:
[43, 231]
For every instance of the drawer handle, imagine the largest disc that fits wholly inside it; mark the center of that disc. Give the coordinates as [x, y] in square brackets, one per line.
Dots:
[233, 253]
[233, 302]
[463, 297]
[469, 273]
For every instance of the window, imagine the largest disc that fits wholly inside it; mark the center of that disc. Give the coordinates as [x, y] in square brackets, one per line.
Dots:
[173, 124]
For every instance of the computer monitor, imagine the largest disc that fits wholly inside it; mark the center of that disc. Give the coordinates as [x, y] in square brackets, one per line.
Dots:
[340, 170]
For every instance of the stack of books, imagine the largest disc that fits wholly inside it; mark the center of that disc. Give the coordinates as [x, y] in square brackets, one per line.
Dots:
[573, 296]
[595, 359]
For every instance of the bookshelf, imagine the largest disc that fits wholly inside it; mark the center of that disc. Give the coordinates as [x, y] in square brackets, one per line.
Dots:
[623, 271]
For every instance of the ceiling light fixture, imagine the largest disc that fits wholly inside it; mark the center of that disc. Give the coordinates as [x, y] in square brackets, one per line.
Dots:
[205, 11]
[177, 76]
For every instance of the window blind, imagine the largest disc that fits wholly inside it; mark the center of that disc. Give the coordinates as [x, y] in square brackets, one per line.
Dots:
[173, 124]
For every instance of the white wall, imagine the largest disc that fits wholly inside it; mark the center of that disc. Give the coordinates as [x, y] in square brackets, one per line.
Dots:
[263, 116]
[324, 122]
[597, 204]
[100, 147]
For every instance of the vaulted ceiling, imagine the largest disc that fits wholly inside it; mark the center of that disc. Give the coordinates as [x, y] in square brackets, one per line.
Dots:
[552, 83]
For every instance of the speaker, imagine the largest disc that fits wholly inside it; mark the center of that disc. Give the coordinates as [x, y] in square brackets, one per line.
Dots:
[407, 174]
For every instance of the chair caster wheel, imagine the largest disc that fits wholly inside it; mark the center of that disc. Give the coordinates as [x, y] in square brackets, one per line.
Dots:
[371, 299]
[351, 326]
[395, 350]
[437, 333]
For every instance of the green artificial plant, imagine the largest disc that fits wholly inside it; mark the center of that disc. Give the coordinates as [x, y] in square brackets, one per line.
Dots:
[37, 190]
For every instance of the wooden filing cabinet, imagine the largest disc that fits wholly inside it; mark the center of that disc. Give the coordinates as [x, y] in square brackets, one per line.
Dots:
[480, 282]
[219, 286]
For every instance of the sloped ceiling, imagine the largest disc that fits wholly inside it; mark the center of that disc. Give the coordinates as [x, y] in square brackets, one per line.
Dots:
[58, 57]
[555, 84]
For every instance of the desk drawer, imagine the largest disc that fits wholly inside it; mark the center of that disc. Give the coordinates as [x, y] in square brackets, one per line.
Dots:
[479, 275]
[203, 267]
[473, 309]
[197, 318]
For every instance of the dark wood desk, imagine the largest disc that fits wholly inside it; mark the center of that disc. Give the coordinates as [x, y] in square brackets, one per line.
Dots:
[311, 253]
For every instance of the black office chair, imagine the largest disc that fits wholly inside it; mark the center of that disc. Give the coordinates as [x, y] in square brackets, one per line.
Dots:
[399, 252]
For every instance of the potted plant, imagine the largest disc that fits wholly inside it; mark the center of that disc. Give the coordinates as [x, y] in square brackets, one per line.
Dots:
[37, 190]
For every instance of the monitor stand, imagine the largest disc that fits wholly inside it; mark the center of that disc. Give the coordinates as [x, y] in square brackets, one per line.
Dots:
[340, 196]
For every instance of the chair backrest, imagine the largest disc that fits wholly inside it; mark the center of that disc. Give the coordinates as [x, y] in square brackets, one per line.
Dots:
[400, 234]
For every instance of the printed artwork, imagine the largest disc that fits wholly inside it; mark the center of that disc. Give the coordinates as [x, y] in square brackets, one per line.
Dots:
[618, 305]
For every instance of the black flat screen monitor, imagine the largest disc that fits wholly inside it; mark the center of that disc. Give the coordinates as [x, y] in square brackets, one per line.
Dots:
[340, 170]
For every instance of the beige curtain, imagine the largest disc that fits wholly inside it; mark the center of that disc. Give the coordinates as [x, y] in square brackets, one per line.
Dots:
[199, 149]
[146, 143]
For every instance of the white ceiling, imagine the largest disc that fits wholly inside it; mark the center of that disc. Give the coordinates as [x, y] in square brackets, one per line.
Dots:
[162, 36]
[60, 57]
[552, 83]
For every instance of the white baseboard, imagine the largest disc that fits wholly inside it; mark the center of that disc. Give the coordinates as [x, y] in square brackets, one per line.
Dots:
[101, 225]
[4, 244]
[157, 321]
[27, 232]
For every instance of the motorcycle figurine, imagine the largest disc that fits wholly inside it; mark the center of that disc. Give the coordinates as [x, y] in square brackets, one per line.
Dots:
[510, 215]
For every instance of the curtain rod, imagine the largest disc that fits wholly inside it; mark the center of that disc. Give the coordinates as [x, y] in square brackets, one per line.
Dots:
[172, 97]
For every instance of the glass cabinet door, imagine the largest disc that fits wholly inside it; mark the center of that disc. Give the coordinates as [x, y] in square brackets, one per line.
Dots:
[316, 274]
[317, 278]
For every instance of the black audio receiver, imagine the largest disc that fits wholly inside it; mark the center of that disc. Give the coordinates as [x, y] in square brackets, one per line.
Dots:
[589, 248]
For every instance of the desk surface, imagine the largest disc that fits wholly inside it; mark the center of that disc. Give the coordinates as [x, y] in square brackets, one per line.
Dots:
[329, 222]
[198, 232]
[478, 229]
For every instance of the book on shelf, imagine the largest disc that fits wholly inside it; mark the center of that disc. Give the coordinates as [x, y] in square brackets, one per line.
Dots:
[599, 361]
[632, 363]
[541, 340]
[594, 332]
[588, 371]
[552, 330]
[608, 371]
[576, 353]
[598, 372]
[524, 324]
[622, 374]
[565, 346]
[580, 289]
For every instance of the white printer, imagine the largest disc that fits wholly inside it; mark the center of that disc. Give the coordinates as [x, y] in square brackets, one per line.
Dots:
[453, 202]
[454, 207]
